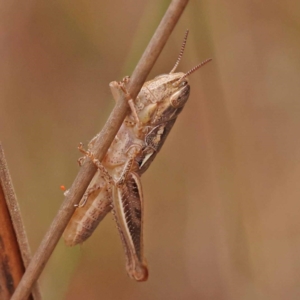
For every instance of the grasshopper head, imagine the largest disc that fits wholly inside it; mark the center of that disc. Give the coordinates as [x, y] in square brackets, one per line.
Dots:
[169, 92]
[171, 96]
[163, 98]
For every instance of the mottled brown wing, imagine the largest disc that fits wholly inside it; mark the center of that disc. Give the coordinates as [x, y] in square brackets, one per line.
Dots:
[128, 212]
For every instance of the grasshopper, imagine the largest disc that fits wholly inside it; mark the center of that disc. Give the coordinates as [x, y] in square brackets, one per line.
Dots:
[116, 185]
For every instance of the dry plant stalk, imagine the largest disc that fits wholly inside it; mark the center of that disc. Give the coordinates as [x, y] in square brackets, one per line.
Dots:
[102, 143]
[14, 248]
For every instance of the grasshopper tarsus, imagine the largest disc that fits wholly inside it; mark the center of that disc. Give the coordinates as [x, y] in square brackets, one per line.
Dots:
[82, 150]
[118, 88]
[87, 153]
[81, 161]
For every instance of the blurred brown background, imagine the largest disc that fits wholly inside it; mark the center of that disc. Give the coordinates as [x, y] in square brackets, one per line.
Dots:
[222, 197]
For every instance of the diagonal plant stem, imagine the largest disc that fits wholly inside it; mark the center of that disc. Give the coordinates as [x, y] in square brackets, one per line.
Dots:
[14, 247]
[102, 143]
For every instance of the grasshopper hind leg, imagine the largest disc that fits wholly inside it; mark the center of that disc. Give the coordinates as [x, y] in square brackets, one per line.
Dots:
[127, 208]
[128, 214]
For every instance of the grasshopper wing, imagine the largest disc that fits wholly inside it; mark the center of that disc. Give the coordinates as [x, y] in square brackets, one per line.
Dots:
[128, 212]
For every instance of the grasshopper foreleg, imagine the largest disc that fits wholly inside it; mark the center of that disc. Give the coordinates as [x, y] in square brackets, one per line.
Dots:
[118, 89]
[97, 162]
[81, 160]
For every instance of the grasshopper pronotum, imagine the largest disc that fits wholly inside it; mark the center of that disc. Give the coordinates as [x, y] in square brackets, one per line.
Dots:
[116, 185]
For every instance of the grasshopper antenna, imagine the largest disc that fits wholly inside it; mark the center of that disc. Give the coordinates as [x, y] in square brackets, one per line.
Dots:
[181, 51]
[194, 69]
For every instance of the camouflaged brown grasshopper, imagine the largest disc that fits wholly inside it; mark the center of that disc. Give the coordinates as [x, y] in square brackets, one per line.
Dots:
[116, 185]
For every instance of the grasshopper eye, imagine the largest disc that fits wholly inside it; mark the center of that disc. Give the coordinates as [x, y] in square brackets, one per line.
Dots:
[183, 83]
[179, 98]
